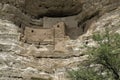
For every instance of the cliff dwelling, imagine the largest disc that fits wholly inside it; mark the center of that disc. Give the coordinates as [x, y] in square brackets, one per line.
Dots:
[43, 36]
[53, 32]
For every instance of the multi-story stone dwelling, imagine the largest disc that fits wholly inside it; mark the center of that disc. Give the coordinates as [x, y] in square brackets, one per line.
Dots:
[53, 32]
[41, 36]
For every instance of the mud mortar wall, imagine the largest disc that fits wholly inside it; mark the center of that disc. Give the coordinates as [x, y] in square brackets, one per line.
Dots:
[38, 35]
[45, 36]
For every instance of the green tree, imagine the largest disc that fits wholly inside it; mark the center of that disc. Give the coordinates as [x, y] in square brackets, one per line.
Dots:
[105, 59]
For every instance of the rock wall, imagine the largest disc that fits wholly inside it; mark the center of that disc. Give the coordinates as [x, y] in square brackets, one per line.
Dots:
[30, 11]
[18, 60]
[53, 8]
[15, 66]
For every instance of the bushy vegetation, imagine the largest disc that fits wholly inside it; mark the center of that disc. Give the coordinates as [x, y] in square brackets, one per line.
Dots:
[104, 59]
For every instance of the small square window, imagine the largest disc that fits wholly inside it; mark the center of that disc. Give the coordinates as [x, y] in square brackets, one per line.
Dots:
[32, 31]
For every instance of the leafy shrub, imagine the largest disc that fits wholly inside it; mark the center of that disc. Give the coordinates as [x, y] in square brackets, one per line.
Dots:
[104, 60]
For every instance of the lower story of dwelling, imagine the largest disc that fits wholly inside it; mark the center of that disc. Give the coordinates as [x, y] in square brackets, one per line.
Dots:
[46, 36]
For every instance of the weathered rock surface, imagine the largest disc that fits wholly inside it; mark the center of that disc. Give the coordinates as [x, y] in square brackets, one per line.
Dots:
[14, 66]
[18, 60]
[30, 12]
[25, 10]
[55, 8]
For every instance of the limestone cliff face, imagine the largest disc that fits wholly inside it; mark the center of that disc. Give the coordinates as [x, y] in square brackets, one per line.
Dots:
[18, 60]
[23, 11]
[53, 8]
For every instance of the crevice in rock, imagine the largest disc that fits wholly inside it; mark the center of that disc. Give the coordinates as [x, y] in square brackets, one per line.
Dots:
[88, 17]
[16, 77]
[61, 57]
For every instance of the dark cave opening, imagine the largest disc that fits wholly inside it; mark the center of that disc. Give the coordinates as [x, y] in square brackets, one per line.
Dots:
[54, 15]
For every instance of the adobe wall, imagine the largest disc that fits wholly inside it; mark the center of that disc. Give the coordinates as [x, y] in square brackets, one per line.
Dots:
[38, 35]
[54, 36]
[71, 25]
[59, 30]
[69, 21]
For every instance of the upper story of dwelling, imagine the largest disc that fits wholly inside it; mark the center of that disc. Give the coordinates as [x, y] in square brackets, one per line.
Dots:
[42, 35]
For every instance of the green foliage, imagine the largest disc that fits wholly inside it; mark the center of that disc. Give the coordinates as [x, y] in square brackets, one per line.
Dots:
[85, 74]
[106, 55]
